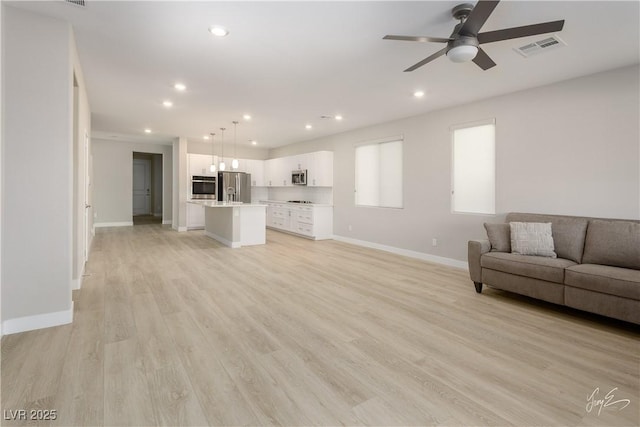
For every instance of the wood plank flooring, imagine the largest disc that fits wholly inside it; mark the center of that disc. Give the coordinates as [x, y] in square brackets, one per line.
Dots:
[175, 329]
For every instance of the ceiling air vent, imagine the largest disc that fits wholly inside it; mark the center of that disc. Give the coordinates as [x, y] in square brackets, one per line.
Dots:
[546, 44]
[80, 3]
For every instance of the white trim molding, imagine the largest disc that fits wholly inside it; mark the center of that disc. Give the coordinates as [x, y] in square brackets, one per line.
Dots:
[38, 321]
[113, 224]
[167, 222]
[405, 252]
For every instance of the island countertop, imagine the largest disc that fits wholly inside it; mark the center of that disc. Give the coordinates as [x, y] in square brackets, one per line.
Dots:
[221, 204]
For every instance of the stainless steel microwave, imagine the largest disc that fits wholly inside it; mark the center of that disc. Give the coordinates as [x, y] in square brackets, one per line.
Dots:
[299, 177]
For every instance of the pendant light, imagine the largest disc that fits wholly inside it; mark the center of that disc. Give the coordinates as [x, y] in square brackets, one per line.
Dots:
[212, 168]
[222, 166]
[234, 162]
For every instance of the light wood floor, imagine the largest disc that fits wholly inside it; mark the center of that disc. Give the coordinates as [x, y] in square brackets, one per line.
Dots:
[174, 329]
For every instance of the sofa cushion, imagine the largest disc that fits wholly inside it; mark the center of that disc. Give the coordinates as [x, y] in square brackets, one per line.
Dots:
[568, 232]
[532, 238]
[615, 243]
[499, 236]
[623, 282]
[549, 269]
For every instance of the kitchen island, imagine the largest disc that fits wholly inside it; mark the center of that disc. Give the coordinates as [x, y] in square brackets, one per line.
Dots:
[234, 224]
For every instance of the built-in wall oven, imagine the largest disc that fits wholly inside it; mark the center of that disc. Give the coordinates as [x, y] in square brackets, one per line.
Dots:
[203, 187]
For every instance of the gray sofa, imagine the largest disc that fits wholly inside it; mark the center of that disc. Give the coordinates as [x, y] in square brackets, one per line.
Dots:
[597, 268]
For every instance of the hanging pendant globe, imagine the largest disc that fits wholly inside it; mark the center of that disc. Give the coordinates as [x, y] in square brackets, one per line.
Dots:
[234, 164]
[212, 168]
[222, 166]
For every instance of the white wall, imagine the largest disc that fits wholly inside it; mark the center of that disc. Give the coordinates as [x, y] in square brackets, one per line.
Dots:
[37, 124]
[181, 185]
[1, 152]
[113, 180]
[157, 184]
[568, 148]
[81, 127]
[243, 151]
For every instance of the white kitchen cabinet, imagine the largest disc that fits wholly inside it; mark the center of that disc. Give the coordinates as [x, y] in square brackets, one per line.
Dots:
[199, 164]
[195, 217]
[315, 222]
[256, 169]
[277, 173]
[320, 170]
[319, 167]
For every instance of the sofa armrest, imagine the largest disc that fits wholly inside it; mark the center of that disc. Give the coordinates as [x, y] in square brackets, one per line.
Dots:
[476, 249]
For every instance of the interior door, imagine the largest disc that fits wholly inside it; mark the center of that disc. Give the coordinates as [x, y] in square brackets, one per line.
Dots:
[141, 187]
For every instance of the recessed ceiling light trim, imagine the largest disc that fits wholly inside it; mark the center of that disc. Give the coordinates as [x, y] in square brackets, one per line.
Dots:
[218, 30]
[180, 86]
[167, 103]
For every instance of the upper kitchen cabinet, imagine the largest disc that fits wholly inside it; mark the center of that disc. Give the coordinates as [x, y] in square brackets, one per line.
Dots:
[319, 167]
[256, 169]
[199, 164]
[320, 170]
[277, 172]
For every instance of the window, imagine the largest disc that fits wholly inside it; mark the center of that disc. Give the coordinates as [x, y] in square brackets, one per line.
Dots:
[379, 174]
[474, 168]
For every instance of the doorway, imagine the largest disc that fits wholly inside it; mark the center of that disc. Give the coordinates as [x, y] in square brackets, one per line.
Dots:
[147, 188]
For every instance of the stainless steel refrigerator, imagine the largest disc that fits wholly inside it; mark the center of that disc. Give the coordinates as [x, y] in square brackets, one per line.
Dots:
[234, 187]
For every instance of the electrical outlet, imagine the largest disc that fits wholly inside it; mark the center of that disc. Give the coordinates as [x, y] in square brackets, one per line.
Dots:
[434, 242]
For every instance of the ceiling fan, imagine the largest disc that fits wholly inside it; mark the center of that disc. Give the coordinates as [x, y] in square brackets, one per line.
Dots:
[464, 42]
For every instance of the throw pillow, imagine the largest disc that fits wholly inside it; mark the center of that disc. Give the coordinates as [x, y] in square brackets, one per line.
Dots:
[532, 238]
[499, 236]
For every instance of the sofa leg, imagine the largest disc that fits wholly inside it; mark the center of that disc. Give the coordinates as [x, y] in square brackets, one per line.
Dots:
[478, 286]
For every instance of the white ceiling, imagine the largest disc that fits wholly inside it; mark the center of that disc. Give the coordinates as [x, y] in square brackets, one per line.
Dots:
[288, 63]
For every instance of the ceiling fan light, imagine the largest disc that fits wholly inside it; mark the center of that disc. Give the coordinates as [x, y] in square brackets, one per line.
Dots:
[462, 53]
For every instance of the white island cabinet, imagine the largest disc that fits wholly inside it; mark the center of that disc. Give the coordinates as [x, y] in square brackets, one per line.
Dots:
[314, 221]
[234, 224]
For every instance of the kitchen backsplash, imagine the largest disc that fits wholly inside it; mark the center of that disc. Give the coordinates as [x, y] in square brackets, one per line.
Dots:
[322, 195]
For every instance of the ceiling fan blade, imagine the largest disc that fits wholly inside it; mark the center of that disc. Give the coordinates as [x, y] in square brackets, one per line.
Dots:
[483, 61]
[428, 59]
[478, 17]
[417, 39]
[517, 32]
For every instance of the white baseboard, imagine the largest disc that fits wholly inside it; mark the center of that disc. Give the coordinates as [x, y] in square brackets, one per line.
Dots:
[222, 240]
[167, 222]
[405, 252]
[39, 321]
[113, 224]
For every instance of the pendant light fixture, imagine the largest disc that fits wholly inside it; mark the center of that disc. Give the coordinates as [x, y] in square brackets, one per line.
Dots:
[222, 166]
[234, 162]
[212, 168]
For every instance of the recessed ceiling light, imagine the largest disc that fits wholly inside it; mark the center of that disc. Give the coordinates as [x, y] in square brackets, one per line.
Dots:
[254, 142]
[246, 117]
[147, 130]
[179, 86]
[167, 104]
[308, 126]
[205, 137]
[338, 117]
[418, 94]
[218, 31]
